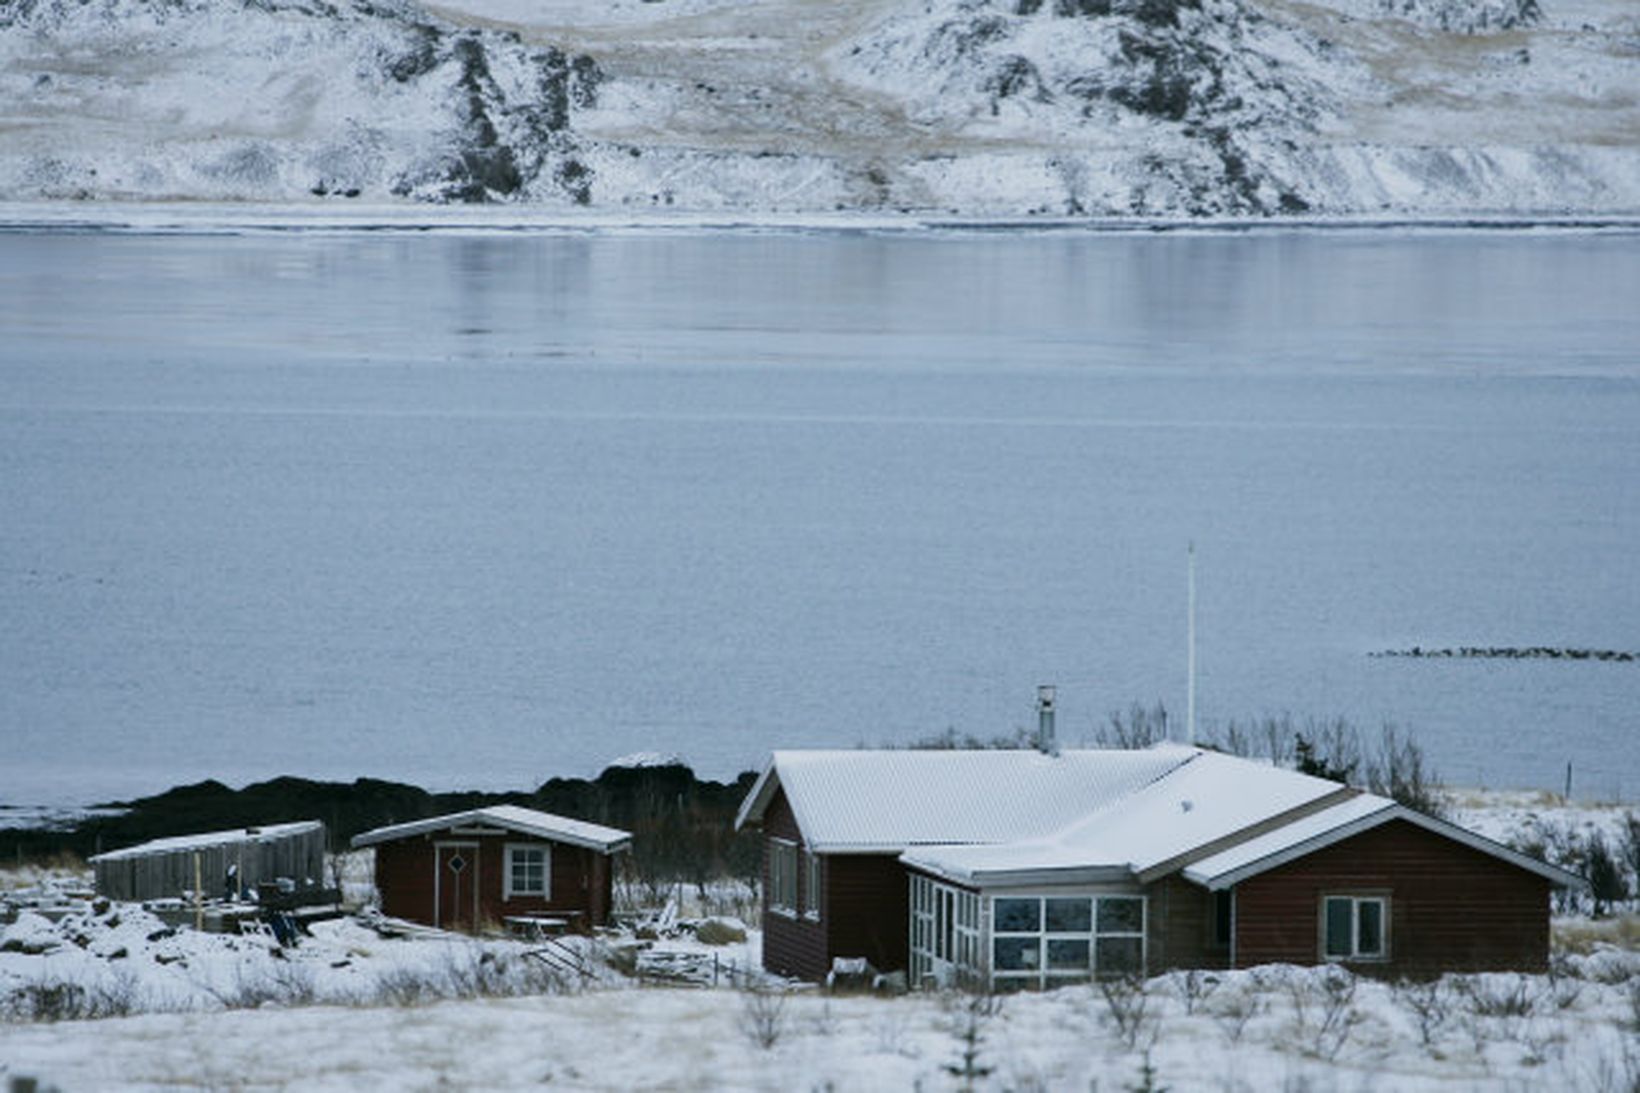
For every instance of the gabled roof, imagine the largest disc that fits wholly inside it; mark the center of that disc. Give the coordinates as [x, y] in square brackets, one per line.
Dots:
[1340, 822]
[526, 821]
[182, 843]
[1198, 806]
[1005, 818]
[882, 801]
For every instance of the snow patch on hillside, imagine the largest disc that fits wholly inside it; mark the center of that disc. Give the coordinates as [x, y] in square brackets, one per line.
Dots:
[974, 107]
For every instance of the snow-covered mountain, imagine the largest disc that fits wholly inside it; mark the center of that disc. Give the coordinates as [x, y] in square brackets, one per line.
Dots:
[976, 107]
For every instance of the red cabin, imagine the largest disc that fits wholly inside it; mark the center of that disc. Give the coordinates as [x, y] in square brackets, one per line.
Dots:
[476, 870]
[1014, 870]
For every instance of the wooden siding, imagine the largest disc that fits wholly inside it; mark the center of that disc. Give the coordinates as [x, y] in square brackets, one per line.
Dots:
[868, 909]
[1179, 930]
[792, 945]
[1451, 908]
[168, 872]
[864, 907]
[579, 889]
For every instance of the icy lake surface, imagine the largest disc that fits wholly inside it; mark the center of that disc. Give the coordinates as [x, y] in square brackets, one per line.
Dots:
[481, 509]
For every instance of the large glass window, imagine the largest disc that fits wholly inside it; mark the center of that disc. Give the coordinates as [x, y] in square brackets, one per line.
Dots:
[1070, 916]
[1049, 941]
[1353, 927]
[1016, 916]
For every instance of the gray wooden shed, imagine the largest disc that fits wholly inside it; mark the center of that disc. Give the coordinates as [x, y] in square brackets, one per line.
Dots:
[166, 868]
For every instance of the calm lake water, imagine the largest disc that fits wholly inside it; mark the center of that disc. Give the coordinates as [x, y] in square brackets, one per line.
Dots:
[482, 509]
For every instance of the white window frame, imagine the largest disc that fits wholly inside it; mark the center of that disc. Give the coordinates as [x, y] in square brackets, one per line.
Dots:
[1356, 900]
[782, 876]
[945, 944]
[811, 885]
[508, 891]
[1039, 975]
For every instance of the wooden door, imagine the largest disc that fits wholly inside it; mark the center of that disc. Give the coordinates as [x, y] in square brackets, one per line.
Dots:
[456, 885]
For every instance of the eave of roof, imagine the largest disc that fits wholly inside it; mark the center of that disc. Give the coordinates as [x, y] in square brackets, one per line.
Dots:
[1343, 821]
[180, 843]
[1197, 808]
[527, 821]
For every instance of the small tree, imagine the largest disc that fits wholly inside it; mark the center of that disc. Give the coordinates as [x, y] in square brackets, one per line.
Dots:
[1311, 761]
[763, 1013]
[1607, 882]
[969, 1019]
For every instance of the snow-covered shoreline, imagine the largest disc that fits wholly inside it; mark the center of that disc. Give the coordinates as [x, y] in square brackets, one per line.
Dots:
[210, 218]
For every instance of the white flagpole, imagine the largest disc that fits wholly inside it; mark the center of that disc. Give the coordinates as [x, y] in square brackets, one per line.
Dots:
[1190, 660]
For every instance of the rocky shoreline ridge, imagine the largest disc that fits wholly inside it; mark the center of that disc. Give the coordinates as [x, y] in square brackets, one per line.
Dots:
[682, 824]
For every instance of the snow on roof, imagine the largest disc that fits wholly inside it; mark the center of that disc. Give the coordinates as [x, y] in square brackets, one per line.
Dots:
[183, 843]
[888, 800]
[1341, 821]
[527, 821]
[1207, 799]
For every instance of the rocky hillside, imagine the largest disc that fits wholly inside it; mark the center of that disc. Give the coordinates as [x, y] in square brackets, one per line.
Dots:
[973, 107]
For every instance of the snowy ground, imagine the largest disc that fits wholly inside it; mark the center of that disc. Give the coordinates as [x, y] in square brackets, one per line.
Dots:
[349, 1008]
[978, 107]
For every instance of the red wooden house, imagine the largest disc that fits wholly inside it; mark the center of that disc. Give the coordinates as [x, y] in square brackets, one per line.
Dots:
[476, 870]
[1020, 870]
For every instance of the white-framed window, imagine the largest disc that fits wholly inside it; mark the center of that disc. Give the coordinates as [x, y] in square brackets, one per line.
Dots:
[1355, 927]
[945, 933]
[811, 885]
[1039, 942]
[529, 870]
[783, 876]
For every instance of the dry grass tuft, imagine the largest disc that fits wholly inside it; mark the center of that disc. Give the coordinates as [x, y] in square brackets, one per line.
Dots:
[1581, 936]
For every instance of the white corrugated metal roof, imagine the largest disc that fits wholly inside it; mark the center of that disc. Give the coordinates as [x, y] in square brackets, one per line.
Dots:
[183, 843]
[991, 818]
[889, 800]
[527, 821]
[1206, 800]
[1324, 828]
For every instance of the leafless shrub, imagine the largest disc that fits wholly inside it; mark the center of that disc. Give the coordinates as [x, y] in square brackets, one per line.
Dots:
[405, 986]
[1619, 1074]
[1497, 1006]
[951, 740]
[1126, 1007]
[763, 1013]
[1232, 1012]
[277, 983]
[1539, 1040]
[1430, 1003]
[890, 1032]
[1140, 728]
[49, 1000]
[1324, 1012]
[1564, 988]
[1397, 769]
[1498, 995]
[1338, 1013]
[472, 971]
[1193, 986]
